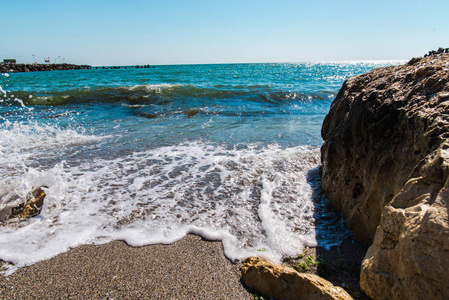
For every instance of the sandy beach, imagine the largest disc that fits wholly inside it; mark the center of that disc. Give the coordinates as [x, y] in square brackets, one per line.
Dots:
[191, 268]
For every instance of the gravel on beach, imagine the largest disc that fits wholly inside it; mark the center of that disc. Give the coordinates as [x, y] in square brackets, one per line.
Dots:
[191, 268]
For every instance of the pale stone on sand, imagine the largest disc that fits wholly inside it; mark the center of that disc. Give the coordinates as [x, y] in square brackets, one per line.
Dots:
[279, 282]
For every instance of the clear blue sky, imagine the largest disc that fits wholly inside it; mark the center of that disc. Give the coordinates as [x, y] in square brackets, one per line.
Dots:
[129, 32]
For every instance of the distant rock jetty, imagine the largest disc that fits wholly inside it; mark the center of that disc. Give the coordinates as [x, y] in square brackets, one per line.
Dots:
[439, 51]
[13, 68]
[124, 67]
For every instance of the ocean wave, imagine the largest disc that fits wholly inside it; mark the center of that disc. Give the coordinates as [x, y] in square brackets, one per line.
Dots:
[160, 94]
[251, 198]
[31, 144]
[17, 137]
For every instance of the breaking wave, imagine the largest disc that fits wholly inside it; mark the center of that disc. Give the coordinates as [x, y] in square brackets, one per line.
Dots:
[257, 200]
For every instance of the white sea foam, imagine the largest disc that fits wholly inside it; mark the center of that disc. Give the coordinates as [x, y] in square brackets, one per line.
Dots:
[22, 138]
[252, 199]
[21, 144]
[155, 87]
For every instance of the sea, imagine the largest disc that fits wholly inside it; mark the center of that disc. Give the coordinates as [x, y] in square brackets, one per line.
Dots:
[230, 152]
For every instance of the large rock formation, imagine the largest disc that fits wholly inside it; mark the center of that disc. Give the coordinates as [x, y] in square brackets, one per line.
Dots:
[385, 167]
[279, 282]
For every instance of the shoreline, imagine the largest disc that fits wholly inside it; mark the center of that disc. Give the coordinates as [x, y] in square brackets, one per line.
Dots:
[189, 268]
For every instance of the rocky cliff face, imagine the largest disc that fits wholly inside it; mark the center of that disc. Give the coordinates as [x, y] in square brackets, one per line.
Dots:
[385, 167]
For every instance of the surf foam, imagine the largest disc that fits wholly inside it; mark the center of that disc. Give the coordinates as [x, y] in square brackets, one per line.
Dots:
[256, 200]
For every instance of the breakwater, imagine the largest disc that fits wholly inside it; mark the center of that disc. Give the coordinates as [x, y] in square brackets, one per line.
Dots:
[12, 68]
[124, 67]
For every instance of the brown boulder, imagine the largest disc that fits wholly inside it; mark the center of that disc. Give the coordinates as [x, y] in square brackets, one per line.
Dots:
[279, 282]
[385, 167]
[32, 206]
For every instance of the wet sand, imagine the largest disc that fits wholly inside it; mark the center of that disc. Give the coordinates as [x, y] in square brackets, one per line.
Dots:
[191, 268]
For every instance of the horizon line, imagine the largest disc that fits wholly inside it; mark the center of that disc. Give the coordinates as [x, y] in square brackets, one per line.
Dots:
[279, 62]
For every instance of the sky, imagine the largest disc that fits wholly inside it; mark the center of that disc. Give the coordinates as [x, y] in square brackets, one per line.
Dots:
[132, 32]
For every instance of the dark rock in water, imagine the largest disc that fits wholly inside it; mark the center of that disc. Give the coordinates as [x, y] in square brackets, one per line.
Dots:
[146, 115]
[191, 112]
[385, 166]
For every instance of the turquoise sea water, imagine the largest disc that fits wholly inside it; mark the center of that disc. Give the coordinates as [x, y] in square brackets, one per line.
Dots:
[229, 152]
